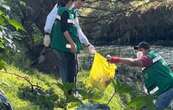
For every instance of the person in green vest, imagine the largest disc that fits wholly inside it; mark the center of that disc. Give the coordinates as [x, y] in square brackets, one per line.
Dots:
[158, 76]
[52, 16]
[65, 42]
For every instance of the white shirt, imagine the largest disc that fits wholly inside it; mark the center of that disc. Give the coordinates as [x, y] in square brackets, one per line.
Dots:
[51, 19]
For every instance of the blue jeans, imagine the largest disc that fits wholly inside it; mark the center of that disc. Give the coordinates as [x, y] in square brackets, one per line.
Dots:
[163, 101]
[67, 65]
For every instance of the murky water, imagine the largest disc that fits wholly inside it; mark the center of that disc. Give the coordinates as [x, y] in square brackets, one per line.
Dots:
[167, 53]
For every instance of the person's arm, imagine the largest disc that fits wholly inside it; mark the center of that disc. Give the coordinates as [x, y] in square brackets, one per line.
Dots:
[128, 61]
[64, 28]
[48, 26]
[131, 62]
[83, 39]
[50, 20]
[140, 61]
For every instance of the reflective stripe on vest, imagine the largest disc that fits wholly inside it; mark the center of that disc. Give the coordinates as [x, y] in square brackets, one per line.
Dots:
[58, 17]
[157, 76]
[154, 90]
[156, 59]
[68, 21]
[153, 61]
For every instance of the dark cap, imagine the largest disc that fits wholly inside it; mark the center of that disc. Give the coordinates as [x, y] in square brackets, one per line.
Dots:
[143, 44]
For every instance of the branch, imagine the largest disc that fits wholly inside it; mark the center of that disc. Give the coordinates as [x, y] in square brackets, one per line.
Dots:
[25, 78]
[95, 1]
[114, 13]
[102, 9]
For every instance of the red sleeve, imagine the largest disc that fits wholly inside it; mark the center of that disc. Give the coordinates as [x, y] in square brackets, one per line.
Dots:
[145, 60]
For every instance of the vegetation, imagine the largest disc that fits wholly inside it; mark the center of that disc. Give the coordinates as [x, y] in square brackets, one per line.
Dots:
[36, 91]
[21, 27]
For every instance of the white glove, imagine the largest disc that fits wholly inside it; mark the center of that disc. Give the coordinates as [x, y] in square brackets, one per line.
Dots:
[46, 40]
[91, 49]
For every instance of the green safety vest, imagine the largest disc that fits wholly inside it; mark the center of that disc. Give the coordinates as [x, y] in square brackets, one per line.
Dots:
[58, 40]
[158, 77]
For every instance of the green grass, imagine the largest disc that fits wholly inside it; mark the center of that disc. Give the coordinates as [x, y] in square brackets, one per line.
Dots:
[49, 97]
[13, 87]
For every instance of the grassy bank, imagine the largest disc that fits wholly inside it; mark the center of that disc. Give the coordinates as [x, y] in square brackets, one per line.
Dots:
[31, 90]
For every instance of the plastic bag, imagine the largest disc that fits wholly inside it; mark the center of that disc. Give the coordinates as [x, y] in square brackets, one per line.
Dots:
[102, 72]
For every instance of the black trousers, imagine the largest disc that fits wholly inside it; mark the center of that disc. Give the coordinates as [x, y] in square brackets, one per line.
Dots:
[68, 66]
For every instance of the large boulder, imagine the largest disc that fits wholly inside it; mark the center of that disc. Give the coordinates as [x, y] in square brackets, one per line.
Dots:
[151, 22]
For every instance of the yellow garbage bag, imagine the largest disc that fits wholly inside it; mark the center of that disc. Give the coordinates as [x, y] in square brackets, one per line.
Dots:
[102, 72]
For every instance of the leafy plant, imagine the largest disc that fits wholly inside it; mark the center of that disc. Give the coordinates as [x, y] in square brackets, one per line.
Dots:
[140, 102]
[7, 26]
[137, 101]
[46, 99]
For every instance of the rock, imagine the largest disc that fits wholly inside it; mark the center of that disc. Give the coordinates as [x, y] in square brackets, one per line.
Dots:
[152, 22]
